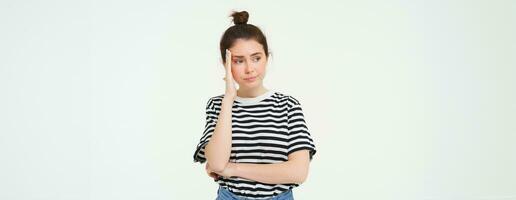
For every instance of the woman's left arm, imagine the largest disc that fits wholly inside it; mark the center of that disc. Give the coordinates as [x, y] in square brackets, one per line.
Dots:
[295, 170]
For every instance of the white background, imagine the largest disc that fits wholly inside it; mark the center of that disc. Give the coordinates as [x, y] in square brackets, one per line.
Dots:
[404, 99]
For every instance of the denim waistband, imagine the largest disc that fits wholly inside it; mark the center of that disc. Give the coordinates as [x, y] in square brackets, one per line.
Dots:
[225, 194]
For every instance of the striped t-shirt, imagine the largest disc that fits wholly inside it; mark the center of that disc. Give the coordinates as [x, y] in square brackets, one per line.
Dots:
[265, 129]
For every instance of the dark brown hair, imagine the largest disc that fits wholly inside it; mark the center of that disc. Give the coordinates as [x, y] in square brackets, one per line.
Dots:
[241, 30]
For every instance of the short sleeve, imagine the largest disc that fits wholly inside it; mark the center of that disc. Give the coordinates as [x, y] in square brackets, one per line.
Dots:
[299, 136]
[209, 127]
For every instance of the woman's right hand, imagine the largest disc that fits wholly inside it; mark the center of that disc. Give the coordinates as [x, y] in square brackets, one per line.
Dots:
[231, 91]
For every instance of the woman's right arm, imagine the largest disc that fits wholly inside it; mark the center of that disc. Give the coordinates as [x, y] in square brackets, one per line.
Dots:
[218, 149]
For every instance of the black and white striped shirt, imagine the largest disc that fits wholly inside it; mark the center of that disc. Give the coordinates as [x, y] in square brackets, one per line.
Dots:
[265, 129]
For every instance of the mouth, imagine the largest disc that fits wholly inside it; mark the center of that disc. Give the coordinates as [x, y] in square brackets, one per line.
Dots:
[251, 78]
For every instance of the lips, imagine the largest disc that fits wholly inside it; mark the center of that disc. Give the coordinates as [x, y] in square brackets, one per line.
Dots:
[250, 78]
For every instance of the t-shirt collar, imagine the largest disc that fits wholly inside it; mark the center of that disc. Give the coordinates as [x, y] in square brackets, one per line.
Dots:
[254, 100]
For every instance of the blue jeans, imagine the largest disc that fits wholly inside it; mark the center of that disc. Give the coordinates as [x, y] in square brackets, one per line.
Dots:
[225, 194]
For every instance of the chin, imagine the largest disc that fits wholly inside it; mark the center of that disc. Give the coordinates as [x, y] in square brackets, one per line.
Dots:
[250, 84]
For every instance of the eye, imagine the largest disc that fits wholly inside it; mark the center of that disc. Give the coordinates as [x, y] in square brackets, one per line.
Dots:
[256, 59]
[238, 61]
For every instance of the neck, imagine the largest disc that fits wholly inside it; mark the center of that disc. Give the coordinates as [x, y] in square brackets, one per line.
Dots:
[251, 92]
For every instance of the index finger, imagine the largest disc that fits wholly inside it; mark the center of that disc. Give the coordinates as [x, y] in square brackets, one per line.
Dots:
[228, 58]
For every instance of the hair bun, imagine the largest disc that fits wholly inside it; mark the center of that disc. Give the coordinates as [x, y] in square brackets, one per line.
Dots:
[240, 17]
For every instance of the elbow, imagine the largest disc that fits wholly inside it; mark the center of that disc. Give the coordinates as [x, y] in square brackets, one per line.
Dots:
[301, 178]
[217, 166]
[301, 175]
[216, 163]
[298, 172]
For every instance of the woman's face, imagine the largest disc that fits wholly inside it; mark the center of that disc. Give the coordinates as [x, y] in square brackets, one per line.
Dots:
[248, 63]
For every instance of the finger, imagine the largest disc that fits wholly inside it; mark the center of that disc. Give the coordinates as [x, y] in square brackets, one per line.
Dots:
[228, 62]
[228, 58]
[213, 175]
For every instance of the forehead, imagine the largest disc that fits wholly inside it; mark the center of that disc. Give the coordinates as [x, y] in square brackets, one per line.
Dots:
[247, 47]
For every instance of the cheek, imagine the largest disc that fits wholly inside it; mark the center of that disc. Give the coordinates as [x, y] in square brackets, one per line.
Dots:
[260, 68]
[236, 72]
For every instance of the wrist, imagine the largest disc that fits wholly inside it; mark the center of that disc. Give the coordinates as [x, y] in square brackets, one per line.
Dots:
[228, 99]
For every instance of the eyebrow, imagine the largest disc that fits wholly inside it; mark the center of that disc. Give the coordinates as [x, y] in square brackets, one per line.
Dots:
[257, 53]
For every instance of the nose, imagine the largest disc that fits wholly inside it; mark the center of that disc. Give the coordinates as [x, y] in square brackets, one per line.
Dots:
[248, 68]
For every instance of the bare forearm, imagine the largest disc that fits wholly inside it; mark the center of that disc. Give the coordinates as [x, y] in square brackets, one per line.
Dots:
[218, 149]
[277, 173]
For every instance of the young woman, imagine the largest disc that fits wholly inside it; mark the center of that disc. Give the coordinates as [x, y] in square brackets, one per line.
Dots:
[255, 142]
